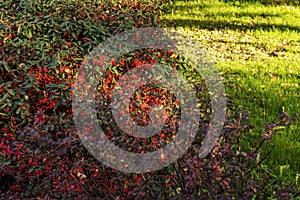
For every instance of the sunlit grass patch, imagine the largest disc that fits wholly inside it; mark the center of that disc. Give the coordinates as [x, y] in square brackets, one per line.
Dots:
[257, 51]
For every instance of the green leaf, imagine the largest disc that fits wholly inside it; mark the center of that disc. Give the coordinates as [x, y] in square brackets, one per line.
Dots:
[53, 97]
[7, 68]
[18, 111]
[31, 169]
[11, 92]
[30, 33]
[6, 163]
[4, 97]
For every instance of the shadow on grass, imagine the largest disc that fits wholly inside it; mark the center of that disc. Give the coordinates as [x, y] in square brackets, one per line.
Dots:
[245, 14]
[233, 25]
[264, 2]
[271, 2]
[260, 20]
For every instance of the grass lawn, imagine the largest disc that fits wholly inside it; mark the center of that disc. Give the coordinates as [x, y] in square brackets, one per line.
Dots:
[257, 51]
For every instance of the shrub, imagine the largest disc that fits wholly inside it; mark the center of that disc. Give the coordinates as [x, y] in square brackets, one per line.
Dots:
[41, 48]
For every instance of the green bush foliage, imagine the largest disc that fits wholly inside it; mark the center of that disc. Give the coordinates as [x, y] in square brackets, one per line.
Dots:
[41, 47]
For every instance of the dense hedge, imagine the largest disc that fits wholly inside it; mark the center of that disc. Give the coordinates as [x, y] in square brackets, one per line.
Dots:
[42, 45]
